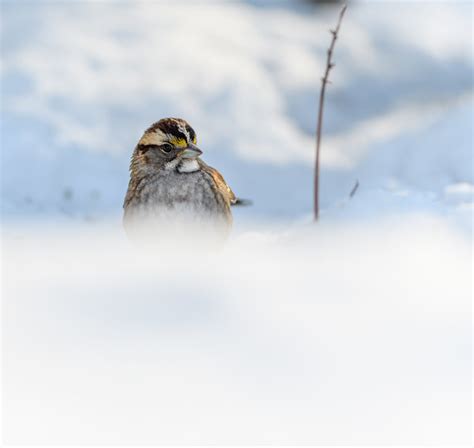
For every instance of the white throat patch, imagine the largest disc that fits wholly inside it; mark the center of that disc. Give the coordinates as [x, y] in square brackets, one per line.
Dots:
[169, 166]
[188, 166]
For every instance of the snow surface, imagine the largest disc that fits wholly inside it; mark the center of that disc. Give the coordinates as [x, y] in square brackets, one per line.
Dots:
[355, 331]
[346, 336]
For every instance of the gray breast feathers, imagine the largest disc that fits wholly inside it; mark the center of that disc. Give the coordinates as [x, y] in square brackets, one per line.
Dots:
[177, 195]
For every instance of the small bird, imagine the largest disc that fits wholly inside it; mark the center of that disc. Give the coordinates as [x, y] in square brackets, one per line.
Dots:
[171, 190]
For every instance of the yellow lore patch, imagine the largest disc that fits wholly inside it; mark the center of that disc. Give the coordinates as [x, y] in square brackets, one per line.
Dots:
[178, 142]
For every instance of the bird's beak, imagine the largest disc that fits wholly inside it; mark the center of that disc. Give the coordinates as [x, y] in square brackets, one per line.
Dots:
[191, 152]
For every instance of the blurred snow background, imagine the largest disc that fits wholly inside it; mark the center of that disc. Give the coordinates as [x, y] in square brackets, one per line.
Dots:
[82, 80]
[355, 331]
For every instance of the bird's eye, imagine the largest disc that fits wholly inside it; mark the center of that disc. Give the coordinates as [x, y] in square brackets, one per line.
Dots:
[166, 148]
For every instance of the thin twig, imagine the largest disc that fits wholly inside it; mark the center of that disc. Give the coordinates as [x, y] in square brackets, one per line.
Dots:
[324, 81]
[354, 189]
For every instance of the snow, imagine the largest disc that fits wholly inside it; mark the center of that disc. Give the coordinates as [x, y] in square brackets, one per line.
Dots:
[354, 331]
[349, 335]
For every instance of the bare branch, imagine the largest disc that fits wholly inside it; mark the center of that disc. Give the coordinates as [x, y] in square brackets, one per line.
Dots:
[324, 81]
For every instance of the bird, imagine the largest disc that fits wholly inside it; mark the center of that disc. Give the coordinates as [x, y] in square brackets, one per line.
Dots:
[172, 191]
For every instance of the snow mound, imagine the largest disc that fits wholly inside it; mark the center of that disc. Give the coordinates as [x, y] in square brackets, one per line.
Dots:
[321, 335]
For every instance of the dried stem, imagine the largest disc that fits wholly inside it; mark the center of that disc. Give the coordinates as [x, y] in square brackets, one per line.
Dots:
[354, 189]
[324, 81]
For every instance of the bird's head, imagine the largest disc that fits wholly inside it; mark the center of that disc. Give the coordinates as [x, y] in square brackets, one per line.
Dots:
[166, 143]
